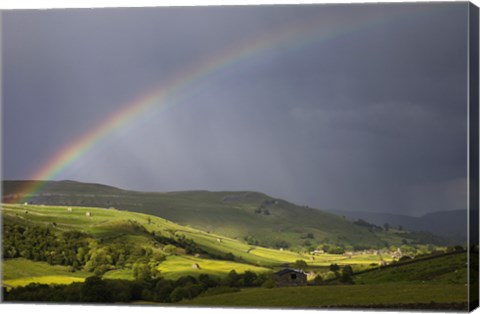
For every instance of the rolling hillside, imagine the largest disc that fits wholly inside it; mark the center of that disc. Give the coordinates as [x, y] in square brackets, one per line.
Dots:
[171, 248]
[251, 217]
[98, 238]
[432, 283]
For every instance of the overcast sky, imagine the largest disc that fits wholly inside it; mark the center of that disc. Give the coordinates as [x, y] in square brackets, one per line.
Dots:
[359, 107]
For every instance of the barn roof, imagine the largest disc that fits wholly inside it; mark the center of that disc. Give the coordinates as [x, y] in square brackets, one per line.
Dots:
[289, 270]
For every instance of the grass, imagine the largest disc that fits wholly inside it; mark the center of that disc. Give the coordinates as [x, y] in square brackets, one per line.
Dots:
[336, 296]
[20, 272]
[120, 225]
[449, 269]
[440, 280]
[177, 266]
[124, 274]
[57, 280]
[110, 224]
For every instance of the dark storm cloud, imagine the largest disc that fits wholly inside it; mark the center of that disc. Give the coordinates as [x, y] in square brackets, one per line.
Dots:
[373, 118]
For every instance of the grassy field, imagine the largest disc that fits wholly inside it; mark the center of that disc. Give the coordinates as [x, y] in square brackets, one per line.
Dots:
[125, 274]
[336, 296]
[21, 272]
[177, 266]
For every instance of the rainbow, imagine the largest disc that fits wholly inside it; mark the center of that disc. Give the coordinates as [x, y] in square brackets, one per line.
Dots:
[291, 37]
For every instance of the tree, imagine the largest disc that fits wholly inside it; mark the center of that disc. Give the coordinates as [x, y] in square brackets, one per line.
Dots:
[229, 256]
[251, 240]
[386, 226]
[405, 258]
[300, 264]
[232, 279]
[94, 290]
[317, 280]
[347, 270]
[346, 276]
[178, 294]
[170, 249]
[249, 278]
[141, 271]
[282, 244]
[207, 281]
[334, 267]
[336, 250]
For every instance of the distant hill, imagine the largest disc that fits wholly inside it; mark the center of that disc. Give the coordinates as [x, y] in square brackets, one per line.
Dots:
[451, 224]
[251, 217]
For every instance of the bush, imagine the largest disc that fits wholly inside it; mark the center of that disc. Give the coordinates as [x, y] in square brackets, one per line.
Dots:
[317, 280]
[269, 283]
[170, 249]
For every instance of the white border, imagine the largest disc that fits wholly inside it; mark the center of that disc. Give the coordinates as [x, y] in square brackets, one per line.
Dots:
[81, 309]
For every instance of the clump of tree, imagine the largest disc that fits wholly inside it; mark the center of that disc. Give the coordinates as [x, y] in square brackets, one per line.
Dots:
[300, 264]
[73, 248]
[308, 235]
[317, 280]
[332, 249]
[346, 276]
[369, 226]
[281, 244]
[251, 240]
[38, 243]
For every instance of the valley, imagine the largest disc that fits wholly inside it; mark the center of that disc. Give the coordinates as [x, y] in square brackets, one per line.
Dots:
[216, 248]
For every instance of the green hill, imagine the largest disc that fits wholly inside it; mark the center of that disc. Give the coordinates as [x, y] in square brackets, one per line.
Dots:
[437, 282]
[443, 269]
[251, 217]
[92, 241]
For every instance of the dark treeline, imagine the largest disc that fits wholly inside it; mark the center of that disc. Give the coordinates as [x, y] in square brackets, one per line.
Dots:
[42, 244]
[79, 250]
[72, 248]
[97, 290]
